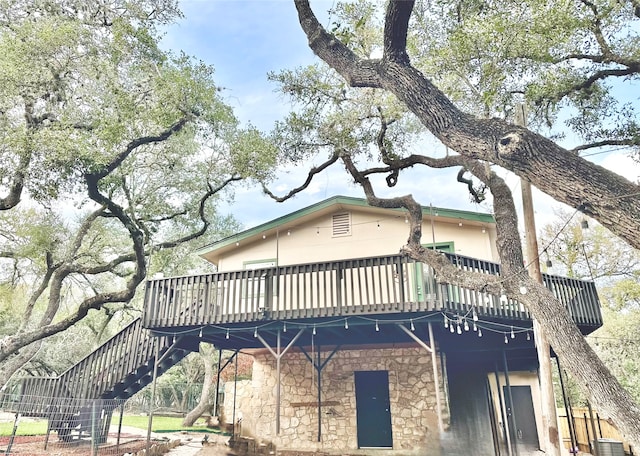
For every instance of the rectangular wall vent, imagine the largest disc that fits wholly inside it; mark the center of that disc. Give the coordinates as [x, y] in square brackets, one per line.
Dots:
[341, 224]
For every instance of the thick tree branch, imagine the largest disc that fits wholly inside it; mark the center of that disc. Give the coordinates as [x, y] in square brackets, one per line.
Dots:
[357, 72]
[211, 191]
[133, 145]
[554, 170]
[396, 27]
[14, 193]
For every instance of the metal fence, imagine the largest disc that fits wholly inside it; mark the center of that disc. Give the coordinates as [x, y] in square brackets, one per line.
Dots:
[67, 426]
[170, 399]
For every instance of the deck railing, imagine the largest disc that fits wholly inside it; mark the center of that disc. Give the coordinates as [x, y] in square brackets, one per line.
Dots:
[117, 363]
[388, 284]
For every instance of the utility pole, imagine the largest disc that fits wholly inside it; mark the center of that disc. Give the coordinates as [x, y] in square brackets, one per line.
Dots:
[550, 433]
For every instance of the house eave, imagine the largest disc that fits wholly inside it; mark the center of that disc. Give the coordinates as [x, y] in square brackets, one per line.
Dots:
[214, 251]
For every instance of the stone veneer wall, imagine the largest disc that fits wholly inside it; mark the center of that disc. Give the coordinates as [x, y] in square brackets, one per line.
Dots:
[411, 390]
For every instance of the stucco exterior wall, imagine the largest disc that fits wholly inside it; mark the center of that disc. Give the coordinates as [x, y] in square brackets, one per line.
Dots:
[371, 235]
[411, 391]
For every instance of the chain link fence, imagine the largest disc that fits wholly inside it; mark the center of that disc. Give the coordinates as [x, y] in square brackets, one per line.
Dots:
[174, 399]
[36, 425]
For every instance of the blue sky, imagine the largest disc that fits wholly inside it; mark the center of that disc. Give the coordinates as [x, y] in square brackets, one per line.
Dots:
[246, 39]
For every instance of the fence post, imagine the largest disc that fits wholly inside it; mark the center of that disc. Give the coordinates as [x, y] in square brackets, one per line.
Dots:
[94, 440]
[13, 433]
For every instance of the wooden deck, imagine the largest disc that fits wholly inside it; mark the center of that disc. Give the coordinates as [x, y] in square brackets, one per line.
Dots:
[364, 286]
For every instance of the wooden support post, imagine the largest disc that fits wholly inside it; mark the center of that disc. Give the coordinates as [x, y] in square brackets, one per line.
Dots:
[278, 354]
[550, 435]
[434, 363]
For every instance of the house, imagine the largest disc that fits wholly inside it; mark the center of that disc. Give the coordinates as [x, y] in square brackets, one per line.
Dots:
[358, 349]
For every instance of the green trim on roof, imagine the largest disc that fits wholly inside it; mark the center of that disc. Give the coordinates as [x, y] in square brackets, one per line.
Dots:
[335, 200]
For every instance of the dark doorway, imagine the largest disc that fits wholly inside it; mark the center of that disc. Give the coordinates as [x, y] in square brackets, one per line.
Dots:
[526, 433]
[373, 411]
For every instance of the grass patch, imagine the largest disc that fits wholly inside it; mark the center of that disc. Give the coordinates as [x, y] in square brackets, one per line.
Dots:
[162, 423]
[159, 424]
[25, 427]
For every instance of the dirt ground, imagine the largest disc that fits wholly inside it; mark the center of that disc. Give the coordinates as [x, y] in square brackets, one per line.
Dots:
[130, 442]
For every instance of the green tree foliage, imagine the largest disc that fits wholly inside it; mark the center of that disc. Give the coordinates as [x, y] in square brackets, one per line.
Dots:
[578, 58]
[461, 68]
[591, 253]
[113, 152]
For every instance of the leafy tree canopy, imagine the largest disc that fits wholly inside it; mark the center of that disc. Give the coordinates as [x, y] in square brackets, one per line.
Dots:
[113, 150]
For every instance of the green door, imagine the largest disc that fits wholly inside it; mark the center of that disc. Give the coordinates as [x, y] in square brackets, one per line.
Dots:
[373, 411]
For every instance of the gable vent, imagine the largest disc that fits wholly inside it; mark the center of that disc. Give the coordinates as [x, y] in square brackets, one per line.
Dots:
[341, 224]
